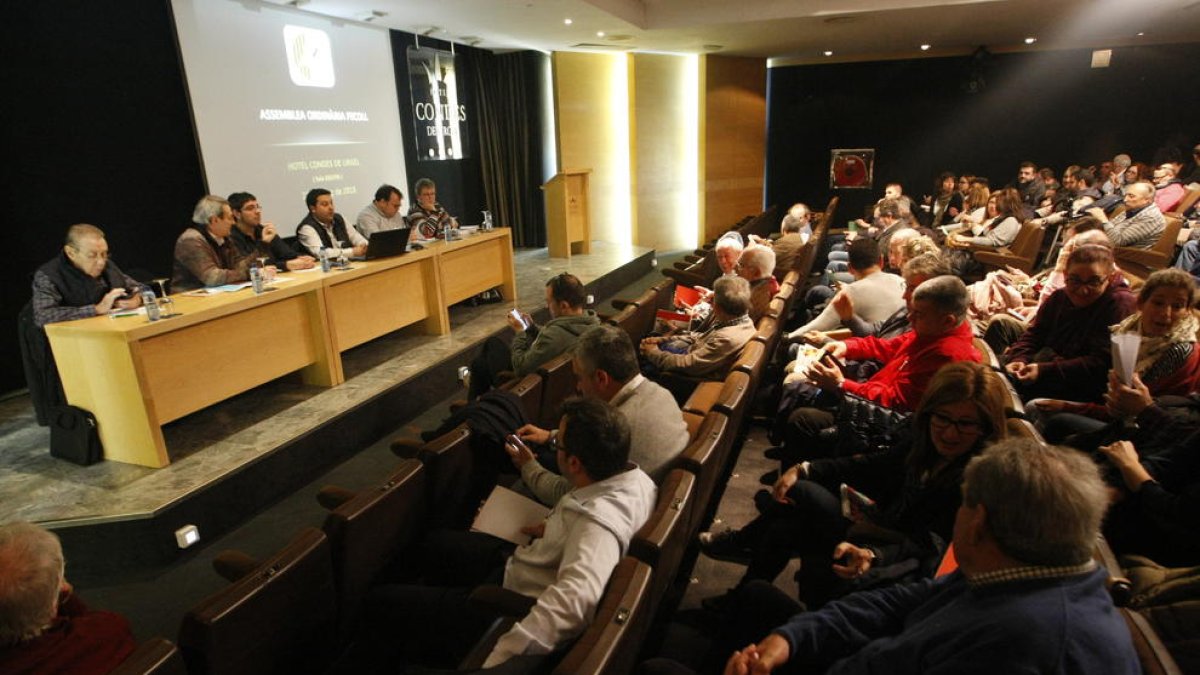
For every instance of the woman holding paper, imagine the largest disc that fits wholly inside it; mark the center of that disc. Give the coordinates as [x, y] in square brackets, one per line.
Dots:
[1156, 345]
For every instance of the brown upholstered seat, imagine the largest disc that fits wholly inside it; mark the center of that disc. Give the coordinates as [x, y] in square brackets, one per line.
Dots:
[156, 656]
[281, 618]
[611, 643]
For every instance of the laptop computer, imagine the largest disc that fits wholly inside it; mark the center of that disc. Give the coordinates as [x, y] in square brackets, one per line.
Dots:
[387, 243]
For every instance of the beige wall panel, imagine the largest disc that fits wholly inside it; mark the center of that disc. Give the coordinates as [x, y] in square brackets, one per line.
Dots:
[665, 166]
[591, 111]
[734, 139]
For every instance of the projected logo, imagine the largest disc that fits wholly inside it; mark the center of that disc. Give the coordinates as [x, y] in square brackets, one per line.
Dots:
[309, 56]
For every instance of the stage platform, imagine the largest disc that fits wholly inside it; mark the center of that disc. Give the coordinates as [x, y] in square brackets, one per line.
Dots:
[233, 458]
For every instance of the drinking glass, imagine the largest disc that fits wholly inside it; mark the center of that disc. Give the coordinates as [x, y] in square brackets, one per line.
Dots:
[166, 305]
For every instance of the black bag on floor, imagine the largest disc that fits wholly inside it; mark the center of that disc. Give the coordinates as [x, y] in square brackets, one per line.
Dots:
[74, 435]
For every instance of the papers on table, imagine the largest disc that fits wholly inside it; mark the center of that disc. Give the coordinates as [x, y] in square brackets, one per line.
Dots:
[213, 290]
[504, 514]
[1124, 355]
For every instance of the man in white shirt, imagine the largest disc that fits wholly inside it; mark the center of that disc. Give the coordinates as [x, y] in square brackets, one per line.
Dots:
[324, 228]
[875, 293]
[563, 569]
[381, 214]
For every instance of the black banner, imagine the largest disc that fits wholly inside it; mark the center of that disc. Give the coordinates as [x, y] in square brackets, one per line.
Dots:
[439, 116]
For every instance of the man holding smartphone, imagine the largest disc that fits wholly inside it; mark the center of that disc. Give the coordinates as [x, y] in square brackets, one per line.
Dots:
[533, 344]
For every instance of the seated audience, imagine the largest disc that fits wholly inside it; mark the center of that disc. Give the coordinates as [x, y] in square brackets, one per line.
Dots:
[1030, 187]
[917, 271]
[534, 344]
[1079, 193]
[565, 567]
[915, 487]
[946, 204]
[1114, 180]
[253, 238]
[755, 265]
[940, 334]
[875, 295]
[81, 281]
[204, 255]
[1027, 596]
[427, 217]
[975, 206]
[795, 231]
[1154, 512]
[44, 626]
[324, 228]
[1005, 214]
[1168, 190]
[1140, 225]
[606, 368]
[1168, 361]
[1066, 350]
[383, 213]
[710, 353]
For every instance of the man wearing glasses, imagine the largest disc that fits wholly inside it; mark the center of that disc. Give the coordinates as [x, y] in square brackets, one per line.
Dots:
[1140, 225]
[253, 238]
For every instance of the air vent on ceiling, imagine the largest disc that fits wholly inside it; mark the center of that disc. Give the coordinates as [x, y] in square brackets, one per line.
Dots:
[838, 20]
[610, 48]
[619, 38]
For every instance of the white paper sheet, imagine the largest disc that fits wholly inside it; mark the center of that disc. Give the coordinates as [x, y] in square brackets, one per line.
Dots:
[1124, 355]
[504, 514]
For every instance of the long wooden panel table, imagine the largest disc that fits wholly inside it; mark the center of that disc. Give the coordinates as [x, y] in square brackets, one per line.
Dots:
[135, 375]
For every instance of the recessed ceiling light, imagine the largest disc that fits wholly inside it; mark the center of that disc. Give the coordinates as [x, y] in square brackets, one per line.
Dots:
[924, 48]
[599, 33]
[1030, 40]
[568, 22]
[828, 53]
[1141, 34]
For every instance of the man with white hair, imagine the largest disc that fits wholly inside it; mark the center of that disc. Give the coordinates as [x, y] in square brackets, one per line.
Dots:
[755, 265]
[44, 626]
[795, 231]
[1140, 225]
[204, 254]
[1116, 180]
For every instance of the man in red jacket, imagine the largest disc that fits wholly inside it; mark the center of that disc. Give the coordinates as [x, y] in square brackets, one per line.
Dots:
[940, 334]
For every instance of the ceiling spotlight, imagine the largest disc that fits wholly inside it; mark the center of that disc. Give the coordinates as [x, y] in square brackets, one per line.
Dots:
[828, 53]
[1030, 40]
[599, 33]
[1141, 34]
[568, 22]
[924, 48]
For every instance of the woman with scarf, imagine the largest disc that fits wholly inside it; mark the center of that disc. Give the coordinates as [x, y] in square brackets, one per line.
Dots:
[1168, 361]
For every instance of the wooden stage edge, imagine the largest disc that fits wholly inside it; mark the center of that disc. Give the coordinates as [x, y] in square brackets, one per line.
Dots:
[147, 540]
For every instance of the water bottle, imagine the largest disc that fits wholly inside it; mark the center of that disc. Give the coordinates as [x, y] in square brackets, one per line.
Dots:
[256, 280]
[152, 311]
[324, 255]
[487, 221]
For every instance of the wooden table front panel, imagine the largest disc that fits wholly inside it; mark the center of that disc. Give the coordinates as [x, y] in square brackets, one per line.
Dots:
[366, 307]
[473, 269]
[189, 369]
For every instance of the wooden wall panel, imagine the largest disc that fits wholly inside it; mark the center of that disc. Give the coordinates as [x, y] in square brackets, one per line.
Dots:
[733, 139]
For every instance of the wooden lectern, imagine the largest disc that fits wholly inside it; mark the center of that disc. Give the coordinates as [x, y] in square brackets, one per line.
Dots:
[567, 222]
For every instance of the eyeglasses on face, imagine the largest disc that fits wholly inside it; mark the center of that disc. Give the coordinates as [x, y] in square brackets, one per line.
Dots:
[1095, 282]
[966, 427]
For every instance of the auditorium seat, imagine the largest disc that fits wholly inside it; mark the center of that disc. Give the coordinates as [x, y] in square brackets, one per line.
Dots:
[1021, 253]
[1189, 200]
[751, 361]
[1151, 652]
[1137, 264]
[529, 390]
[453, 484]
[558, 384]
[664, 538]
[612, 642]
[704, 457]
[281, 618]
[1119, 586]
[156, 656]
[367, 532]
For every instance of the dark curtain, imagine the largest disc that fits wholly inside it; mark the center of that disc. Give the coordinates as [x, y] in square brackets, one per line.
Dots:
[510, 94]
